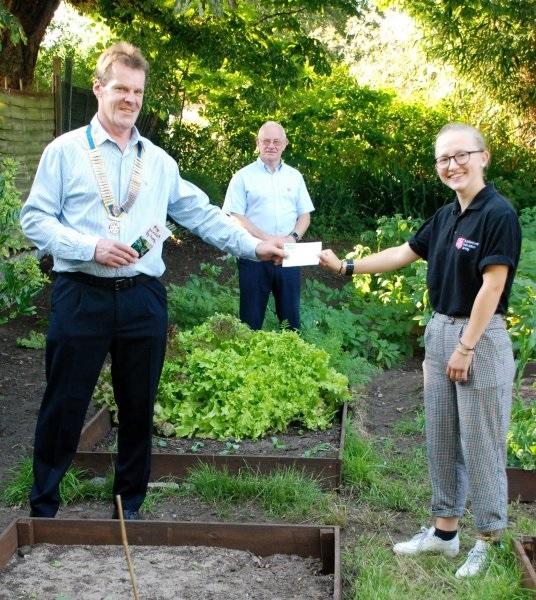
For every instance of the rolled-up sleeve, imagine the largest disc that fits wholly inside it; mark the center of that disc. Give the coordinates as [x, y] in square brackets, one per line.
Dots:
[41, 213]
[191, 209]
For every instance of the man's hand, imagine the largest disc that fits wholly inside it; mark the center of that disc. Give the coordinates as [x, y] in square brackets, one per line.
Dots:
[114, 254]
[270, 251]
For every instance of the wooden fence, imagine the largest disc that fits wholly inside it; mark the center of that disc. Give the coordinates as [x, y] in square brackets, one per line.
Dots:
[26, 127]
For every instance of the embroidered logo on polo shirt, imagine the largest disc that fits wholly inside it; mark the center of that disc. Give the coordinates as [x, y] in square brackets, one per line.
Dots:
[465, 244]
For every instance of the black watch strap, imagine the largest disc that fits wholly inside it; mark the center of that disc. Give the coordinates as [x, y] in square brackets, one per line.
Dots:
[295, 235]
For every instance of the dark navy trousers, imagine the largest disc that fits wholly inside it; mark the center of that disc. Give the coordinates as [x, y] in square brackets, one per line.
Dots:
[257, 280]
[87, 323]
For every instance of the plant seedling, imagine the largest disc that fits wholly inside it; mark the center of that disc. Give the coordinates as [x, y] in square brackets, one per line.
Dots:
[230, 447]
[196, 446]
[318, 449]
[277, 444]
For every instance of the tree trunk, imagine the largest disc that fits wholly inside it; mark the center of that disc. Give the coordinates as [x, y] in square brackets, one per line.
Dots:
[17, 62]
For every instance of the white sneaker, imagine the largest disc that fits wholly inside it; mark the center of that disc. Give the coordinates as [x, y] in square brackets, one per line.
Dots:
[476, 559]
[426, 541]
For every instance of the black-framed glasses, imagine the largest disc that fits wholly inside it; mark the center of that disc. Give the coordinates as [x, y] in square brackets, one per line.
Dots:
[460, 158]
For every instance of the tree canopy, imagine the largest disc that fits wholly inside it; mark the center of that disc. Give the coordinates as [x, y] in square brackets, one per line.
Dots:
[492, 42]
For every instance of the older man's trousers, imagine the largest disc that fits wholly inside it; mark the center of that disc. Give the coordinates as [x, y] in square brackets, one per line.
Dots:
[257, 280]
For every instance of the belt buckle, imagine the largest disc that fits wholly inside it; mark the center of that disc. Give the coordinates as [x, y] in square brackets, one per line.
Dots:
[119, 284]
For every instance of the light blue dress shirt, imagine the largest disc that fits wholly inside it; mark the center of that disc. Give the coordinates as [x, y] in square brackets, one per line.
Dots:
[271, 201]
[64, 214]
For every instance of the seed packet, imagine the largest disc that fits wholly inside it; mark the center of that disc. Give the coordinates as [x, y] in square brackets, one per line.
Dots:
[155, 234]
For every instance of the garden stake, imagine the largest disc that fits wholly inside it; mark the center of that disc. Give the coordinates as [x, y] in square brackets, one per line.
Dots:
[125, 544]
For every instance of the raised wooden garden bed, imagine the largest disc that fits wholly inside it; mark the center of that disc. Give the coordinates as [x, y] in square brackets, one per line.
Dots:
[326, 470]
[521, 485]
[321, 543]
[525, 549]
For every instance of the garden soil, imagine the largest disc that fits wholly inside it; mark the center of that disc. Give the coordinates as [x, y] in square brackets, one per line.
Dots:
[390, 397]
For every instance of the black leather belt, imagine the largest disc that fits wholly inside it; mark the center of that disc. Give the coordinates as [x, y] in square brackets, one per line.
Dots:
[115, 284]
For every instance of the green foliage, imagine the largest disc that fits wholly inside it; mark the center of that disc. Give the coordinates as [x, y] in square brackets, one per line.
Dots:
[522, 436]
[522, 310]
[20, 278]
[74, 486]
[11, 236]
[35, 341]
[360, 461]
[10, 26]
[201, 297]
[20, 281]
[223, 380]
[491, 43]
[284, 493]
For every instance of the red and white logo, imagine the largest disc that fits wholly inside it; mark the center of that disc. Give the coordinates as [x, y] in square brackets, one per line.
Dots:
[465, 244]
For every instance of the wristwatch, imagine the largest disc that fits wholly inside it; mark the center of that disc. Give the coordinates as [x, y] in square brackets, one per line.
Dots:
[295, 235]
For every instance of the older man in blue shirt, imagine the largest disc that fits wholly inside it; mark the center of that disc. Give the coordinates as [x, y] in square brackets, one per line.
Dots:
[97, 189]
[270, 200]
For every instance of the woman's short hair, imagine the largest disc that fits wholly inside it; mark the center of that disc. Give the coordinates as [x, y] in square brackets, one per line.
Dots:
[124, 53]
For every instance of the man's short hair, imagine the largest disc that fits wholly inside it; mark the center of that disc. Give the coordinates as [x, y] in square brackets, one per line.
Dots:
[124, 53]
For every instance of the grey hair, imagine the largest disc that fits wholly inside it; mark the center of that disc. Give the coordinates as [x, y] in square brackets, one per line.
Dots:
[268, 124]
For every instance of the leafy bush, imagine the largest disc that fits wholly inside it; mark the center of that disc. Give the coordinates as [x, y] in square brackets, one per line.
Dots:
[223, 380]
[522, 310]
[11, 236]
[522, 436]
[20, 281]
[201, 297]
[20, 278]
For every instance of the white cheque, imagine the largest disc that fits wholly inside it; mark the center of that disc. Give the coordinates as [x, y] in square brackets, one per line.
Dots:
[299, 255]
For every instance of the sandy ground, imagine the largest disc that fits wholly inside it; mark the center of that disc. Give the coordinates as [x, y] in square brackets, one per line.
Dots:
[52, 572]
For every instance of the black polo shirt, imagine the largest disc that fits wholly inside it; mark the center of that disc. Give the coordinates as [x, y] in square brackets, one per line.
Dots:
[459, 245]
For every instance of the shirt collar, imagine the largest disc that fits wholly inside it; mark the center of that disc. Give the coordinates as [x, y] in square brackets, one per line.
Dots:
[100, 135]
[263, 166]
[478, 201]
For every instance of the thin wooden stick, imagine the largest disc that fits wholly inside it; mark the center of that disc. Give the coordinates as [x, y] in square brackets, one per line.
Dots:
[125, 544]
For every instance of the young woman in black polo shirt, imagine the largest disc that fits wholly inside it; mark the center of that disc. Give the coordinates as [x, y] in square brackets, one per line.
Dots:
[472, 248]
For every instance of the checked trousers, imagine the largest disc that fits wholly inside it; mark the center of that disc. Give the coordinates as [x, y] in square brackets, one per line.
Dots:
[467, 424]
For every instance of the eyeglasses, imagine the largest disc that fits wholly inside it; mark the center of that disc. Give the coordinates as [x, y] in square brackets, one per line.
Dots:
[268, 142]
[460, 158]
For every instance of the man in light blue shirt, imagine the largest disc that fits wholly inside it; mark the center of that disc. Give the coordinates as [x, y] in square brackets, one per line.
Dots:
[270, 200]
[96, 191]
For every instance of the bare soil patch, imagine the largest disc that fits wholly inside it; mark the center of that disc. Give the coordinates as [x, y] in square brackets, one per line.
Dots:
[162, 573]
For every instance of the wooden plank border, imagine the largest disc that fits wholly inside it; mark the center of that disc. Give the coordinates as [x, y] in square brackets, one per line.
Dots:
[525, 550]
[328, 471]
[260, 538]
[521, 485]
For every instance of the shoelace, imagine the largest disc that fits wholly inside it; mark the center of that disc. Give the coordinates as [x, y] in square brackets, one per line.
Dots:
[422, 534]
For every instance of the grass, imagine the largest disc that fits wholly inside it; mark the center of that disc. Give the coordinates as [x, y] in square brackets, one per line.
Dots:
[413, 426]
[285, 494]
[390, 493]
[385, 498]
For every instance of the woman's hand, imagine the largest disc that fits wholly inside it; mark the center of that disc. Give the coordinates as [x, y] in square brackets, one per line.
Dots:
[329, 261]
[458, 366]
